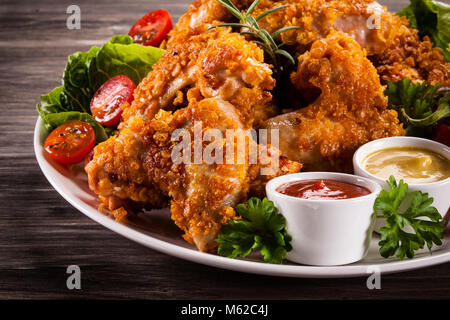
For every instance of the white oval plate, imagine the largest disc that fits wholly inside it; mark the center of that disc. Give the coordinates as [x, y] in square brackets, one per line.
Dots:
[155, 230]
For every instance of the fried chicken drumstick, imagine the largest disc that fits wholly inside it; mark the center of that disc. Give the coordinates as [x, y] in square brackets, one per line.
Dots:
[350, 111]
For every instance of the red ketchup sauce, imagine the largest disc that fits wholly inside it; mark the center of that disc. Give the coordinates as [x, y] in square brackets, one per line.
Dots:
[322, 190]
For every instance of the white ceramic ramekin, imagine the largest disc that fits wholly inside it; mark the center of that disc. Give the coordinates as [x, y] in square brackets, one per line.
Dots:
[326, 232]
[440, 190]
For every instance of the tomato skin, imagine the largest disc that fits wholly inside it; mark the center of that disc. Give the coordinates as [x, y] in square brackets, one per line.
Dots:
[152, 28]
[442, 134]
[70, 142]
[105, 105]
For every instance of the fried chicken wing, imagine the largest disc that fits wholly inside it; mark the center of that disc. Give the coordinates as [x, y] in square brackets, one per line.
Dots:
[201, 15]
[350, 110]
[369, 23]
[217, 79]
[219, 64]
[204, 192]
[392, 45]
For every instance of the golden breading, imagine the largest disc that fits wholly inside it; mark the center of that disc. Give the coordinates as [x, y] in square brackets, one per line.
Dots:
[394, 48]
[409, 57]
[350, 111]
[216, 64]
[202, 194]
[116, 172]
[392, 45]
[217, 78]
[200, 15]
[205, 193]
[369, 23]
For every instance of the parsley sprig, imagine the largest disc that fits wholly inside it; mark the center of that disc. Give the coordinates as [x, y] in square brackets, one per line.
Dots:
[394, 240]
[420, 105]
[264, 39]
[260, 228]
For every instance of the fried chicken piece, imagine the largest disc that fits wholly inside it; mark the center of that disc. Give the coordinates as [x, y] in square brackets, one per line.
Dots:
[350, 111]
[220, 64]
[201, 15]
[392, 45]
[203, 191]
[409, 57]
[369, 23]
[217, 78]
[202, 195]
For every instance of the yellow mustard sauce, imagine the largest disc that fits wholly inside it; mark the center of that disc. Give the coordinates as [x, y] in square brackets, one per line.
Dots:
[414, 165]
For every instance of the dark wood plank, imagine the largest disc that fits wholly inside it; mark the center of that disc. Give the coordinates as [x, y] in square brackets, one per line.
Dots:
[42, 234]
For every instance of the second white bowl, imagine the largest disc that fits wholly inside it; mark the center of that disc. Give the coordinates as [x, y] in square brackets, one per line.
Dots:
[440, 190]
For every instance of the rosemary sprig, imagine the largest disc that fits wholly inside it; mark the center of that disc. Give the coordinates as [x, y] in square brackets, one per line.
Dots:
[251, 28]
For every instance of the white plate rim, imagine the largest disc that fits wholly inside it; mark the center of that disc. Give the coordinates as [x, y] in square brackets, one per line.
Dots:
[240, 265]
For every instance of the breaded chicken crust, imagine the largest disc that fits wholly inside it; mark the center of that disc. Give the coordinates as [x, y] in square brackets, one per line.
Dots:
[218, 79]
[350, 111]
[218, 63]
[391, 44]
[412, 58]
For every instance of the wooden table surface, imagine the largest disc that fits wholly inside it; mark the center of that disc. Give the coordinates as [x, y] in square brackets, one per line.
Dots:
[41, 234]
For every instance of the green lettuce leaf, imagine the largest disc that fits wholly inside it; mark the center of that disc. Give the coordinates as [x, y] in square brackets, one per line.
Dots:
[77, 89]
[431, 18]
[85, 72]
[51, 102]
[420, 105]
[121, 56]
[53, 120]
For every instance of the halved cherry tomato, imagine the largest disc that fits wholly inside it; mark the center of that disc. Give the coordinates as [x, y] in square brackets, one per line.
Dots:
[70, 142]
[105, 105]
[442, 134]
[152, 28]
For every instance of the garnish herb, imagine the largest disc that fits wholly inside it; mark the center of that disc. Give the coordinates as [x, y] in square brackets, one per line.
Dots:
[260, 228]
[250, 27]
[420, 106]
[394, 240]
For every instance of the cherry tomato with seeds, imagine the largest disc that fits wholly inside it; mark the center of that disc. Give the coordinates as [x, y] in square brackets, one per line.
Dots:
[152, 28]
[70, 142]
[106, 103]
[442, 134]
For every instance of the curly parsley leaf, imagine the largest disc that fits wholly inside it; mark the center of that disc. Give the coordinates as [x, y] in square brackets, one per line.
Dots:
[260, 228]
[420, 105]
[394, 240]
